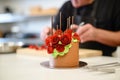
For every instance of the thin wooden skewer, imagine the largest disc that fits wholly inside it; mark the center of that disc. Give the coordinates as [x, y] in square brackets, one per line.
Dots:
[72, 19]
[52, 24]
[73, 23]
[60, 20]
[57, 27]
[69, 22]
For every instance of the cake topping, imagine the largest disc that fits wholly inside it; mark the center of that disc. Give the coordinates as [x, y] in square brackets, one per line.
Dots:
[58, 32]
[60, 42]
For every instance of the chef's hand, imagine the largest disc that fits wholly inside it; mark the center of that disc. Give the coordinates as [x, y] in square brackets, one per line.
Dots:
[45, 33]
[86, 32]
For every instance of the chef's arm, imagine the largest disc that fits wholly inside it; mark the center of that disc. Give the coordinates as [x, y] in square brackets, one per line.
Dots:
[90, 33]
[108, 37]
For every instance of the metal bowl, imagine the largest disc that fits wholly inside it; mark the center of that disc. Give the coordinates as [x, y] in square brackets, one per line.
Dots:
[9, 47]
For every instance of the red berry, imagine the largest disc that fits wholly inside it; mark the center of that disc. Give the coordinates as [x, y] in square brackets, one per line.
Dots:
[60, 48]
[32, 46]
[68, 31]
[65, 39]
[55, 39]
[50, 50]
[58, 32]
[76, 36]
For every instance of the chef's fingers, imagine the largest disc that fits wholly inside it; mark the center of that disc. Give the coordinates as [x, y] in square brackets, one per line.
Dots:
[85, 37]
[74, 27]
[83, 29]
[44, 33]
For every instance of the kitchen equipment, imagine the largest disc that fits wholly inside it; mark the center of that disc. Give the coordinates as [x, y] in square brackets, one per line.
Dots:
[8, 47]
[108, 67]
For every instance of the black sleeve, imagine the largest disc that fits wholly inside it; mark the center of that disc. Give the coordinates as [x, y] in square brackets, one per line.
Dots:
[65, 10]
[117, 15]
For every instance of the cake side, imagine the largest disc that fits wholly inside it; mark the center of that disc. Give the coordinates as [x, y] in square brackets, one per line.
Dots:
[71, 59]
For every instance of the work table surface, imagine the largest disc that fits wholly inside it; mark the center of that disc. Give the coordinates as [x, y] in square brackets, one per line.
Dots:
[16, 67]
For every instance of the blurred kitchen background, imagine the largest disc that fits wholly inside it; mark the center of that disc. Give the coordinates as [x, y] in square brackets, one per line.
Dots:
[26, 16]
[23, 20]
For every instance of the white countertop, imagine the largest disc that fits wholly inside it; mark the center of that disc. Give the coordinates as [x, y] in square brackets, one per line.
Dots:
[16, 67]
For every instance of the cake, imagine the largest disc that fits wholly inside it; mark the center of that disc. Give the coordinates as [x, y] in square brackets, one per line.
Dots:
[63, 48]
